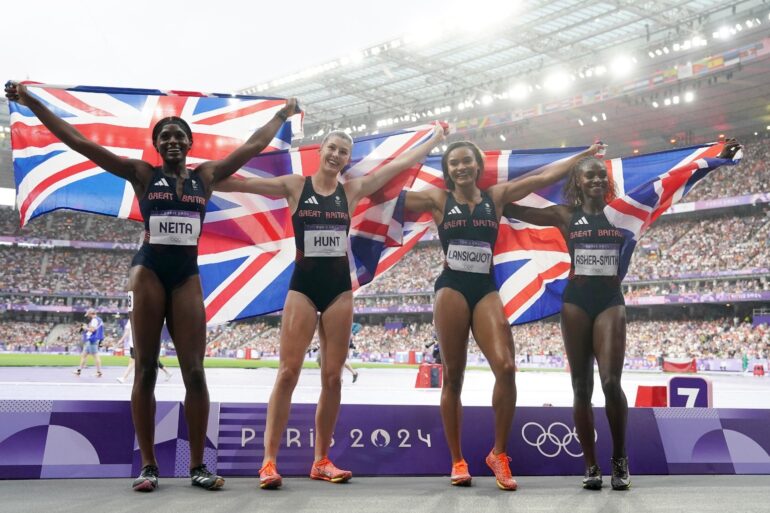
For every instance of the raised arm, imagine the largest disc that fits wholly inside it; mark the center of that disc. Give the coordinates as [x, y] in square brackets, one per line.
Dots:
[521, 187]
[221, 169]
[129, 169]
[425, 201]
[555, 215]
[288, 187]
[359, 188]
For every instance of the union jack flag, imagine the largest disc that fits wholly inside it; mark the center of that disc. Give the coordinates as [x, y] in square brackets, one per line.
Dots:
[247, 247]
[531, 263]
[50, 176]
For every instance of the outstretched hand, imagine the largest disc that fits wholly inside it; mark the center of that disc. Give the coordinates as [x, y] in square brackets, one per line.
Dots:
[439, 133]
[16, 92]
[597, 149]
[291, 108]
[731, 148]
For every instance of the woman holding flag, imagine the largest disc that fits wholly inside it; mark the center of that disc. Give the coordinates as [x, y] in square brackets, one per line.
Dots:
[163, 282]
[593, 315]
[320, 290]
[467, 219]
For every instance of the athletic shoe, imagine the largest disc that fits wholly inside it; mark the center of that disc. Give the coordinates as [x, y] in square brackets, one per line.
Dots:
[200, 476]
[168, 376]
[76, 372]
[499, 465]
[99, 374]
[269, 478]
[460, 475]
[147, 480]
[621, 480]
[355, 377]
[120, 380]
[593, 478]
[326, 471]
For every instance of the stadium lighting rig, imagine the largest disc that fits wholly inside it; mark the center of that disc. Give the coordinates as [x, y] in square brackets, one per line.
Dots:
[676, 99]
[595, 118]
[722, 33]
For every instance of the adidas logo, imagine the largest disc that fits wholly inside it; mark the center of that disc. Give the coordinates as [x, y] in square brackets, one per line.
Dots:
[162, 182]
[311, 201]
[455, 211]
[582, 220]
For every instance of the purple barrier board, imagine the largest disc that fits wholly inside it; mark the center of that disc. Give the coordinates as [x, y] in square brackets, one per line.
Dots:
[86, 439]
[58, 439]
[401, 440]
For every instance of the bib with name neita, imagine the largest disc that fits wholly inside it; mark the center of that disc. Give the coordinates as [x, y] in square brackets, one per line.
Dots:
[175, 227]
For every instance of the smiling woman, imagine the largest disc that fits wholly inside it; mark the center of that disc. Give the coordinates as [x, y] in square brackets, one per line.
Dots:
[593, 316]
[320, 290]
[163, 281]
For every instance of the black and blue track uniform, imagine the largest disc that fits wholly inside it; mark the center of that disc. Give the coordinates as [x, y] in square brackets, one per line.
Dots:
[172, 226]
[468, 239]
[594, 249]
[321, 226]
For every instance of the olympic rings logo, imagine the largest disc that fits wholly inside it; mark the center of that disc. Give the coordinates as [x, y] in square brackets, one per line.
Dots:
[550, 442]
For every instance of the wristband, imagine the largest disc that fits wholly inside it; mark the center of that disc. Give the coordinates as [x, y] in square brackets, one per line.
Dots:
[282, 115]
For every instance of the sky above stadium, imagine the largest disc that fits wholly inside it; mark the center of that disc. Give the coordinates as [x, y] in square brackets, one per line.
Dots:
[208, 46]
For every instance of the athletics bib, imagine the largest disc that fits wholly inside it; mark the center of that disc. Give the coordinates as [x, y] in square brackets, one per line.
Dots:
[470, 256]
[175, 228]
[325, 241]
[597, 259]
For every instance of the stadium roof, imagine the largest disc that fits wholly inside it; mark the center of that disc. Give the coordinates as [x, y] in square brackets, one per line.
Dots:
[482, 64]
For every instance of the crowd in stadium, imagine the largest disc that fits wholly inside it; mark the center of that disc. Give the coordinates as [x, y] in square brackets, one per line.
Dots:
[720, 338]
[96, 272]
[711, 244]
[697, 287]
[66, 225]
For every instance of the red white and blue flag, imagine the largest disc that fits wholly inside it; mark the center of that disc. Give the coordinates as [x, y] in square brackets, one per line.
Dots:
[247, 247]
[531, 263]
[50, 176]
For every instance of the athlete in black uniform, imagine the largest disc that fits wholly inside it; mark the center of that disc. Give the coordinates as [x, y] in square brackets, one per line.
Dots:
[466, 296]
[323, 222]
[163, 280]
[321, 209]
[593, 317]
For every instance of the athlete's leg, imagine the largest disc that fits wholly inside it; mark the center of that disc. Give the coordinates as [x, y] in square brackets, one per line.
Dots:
[149, 308]
[333, 331]
[576, 329]
[610, 348]
[452, 319]
[186, 321]
[493, 336]
[297, 327]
